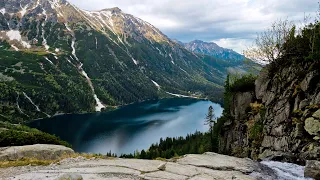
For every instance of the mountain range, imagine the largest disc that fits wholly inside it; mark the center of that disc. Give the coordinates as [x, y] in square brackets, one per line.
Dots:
[212, 49]
[56, 58]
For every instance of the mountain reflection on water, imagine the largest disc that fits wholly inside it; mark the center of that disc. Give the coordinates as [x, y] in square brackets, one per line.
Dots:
[131, 127]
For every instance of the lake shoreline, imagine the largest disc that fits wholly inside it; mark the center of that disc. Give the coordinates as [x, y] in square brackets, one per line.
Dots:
[130, 127]
[121, 106]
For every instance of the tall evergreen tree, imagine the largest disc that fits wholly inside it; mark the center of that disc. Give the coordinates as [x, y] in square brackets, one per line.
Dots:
[210, 121]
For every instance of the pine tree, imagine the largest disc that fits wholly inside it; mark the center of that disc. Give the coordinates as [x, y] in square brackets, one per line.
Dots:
[210, 120]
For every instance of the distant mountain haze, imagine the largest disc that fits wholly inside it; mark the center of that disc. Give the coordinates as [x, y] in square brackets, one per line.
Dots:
[212, 49]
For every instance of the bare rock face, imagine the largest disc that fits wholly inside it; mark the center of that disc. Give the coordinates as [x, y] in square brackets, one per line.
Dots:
[38, 151]
[281, 122]
[261, 85]
[221, 162]
[207, 166]
[312, 170]
[240, 103]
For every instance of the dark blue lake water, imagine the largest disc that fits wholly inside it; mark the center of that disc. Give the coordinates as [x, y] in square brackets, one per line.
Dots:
[129, 128]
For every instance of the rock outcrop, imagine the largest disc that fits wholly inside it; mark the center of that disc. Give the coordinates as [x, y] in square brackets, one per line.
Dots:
[38, 151]
[312, 170]
[207, 166]
[70, 176]
[279, 119]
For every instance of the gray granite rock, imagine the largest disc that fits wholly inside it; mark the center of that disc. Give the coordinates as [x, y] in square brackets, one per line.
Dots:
[312, 126]
[38, 151]
[207, 167]
[312, 170]
[70, 176]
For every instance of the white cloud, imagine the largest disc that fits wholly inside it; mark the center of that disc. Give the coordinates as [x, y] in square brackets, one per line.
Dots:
[238, 45]
[232, 23]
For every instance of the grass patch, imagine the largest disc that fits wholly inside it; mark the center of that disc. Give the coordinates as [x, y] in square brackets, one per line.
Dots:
[256, 107]
[38, 162]
[25, 162]
[243, 84]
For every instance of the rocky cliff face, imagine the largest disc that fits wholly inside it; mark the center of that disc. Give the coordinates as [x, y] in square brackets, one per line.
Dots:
[279, 119]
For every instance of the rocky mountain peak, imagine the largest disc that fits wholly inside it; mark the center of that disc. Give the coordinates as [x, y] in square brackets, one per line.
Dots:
[197, 41]
[212, 49]
[115, 10]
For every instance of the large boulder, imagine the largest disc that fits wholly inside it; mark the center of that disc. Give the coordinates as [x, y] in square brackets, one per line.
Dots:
[312, 126]
[37, 151]
[312, 170]
[70, 176]
[316, 114]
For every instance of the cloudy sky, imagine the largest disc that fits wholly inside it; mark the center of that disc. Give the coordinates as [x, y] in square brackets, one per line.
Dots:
[230, 23]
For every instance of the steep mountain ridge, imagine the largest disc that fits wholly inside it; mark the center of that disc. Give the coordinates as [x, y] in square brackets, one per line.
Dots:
[227, 60]
[212, 49]
[56, 58]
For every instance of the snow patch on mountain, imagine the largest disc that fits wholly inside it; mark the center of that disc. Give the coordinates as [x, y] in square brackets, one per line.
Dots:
[156, 84]
[44, 40]
[49, 60]
[14, 47]
[18, 106]
[23, 10]
[183, 70]
[159, 51]
[54, 4]
[38, 3]
[30, 100]
[15, 35]
[170, 55]
[135, 61]
[3, 11]
[99, 104]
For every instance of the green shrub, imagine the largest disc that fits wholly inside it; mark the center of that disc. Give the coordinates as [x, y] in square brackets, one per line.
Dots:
[255, 133]
[18, 135]
[243, 84]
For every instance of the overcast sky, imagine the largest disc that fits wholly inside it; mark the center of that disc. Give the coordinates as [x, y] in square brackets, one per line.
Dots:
[230, 23]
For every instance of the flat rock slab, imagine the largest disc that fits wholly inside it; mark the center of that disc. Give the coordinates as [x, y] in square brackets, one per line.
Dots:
[38, 151]
[219, 162]
[207, 166]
